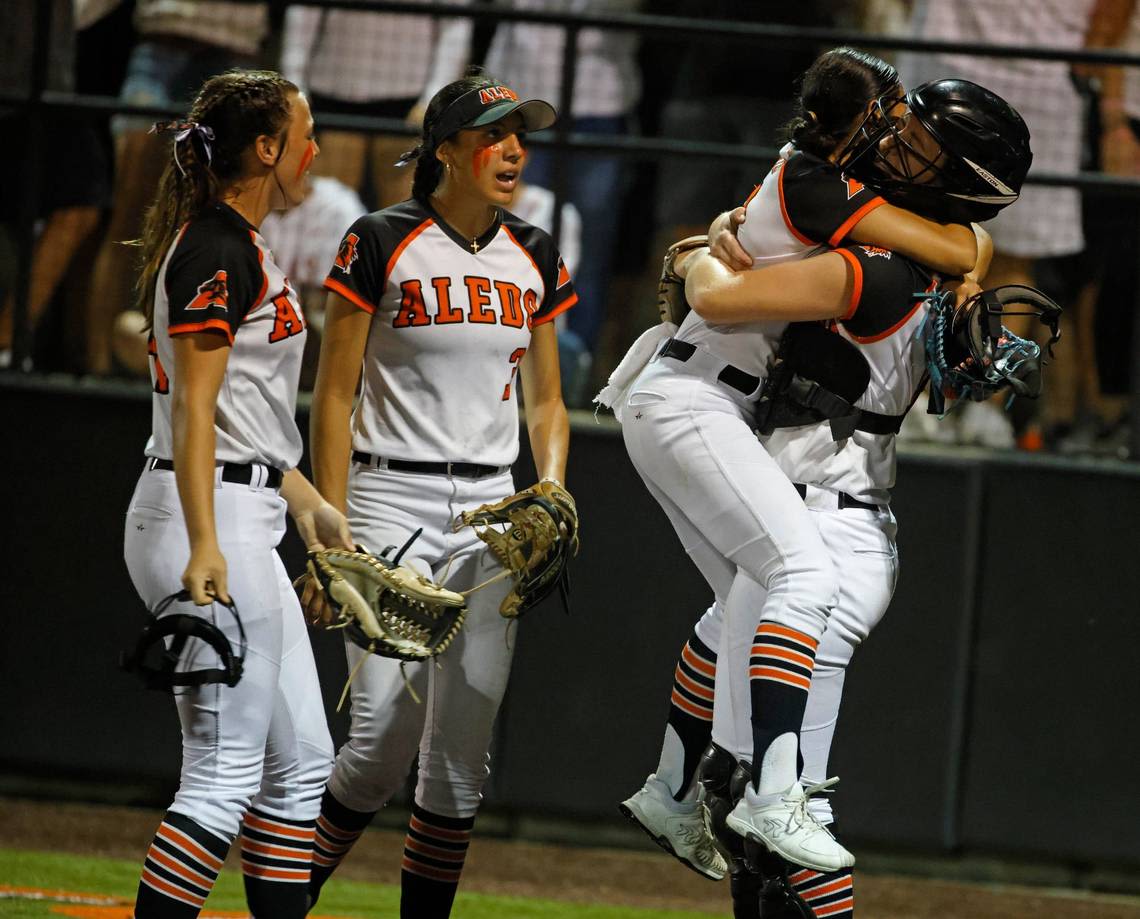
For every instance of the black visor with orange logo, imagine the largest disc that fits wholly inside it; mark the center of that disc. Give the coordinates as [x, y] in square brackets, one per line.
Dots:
[489, 104]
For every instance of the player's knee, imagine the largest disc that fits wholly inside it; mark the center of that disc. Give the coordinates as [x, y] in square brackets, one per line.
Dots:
[363, 780]
[451, 787]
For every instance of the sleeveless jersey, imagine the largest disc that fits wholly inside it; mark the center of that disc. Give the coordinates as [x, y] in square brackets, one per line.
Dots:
[451, 319]
[219, 276]
[803, 207]
[886, 327]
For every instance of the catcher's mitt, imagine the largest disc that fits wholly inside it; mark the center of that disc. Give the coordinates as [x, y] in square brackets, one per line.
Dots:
[532, 534]
[387, 608]
[671, 303]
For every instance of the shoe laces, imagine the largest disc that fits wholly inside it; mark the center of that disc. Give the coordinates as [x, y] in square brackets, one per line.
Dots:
[800, 814]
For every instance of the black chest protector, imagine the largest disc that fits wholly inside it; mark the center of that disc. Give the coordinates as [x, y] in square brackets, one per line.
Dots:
[818, 375]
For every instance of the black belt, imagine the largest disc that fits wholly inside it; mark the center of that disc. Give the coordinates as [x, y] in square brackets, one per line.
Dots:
[845, 500]
[742, 382]
[235, 473]
[464, 470]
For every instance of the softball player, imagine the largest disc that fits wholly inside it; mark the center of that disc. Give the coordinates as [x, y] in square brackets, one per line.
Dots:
[868, 292]
[688, 430]
[444, 299]
[209, 508]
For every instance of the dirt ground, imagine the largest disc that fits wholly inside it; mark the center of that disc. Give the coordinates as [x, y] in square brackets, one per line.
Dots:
[524, 869]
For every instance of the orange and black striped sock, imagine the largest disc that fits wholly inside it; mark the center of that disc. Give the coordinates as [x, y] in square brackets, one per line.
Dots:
[691, 706]
[780, 670]
[338, 828]
[434, 852]
[180, 869]
[275, 858]
[831, 895]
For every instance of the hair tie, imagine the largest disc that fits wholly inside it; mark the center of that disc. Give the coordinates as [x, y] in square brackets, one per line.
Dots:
[409, 156]
[183, 130]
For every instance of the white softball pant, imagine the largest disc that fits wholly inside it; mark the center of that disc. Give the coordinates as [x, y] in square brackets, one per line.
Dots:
[737, 515]
[461, 692]
[265, 741]
[861, 544]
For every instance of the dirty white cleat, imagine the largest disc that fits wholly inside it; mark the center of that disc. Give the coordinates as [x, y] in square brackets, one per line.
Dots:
[786, 827]
[678, 827]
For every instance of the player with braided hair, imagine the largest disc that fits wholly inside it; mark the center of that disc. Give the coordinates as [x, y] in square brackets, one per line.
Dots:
[227, 334]
[437, 303]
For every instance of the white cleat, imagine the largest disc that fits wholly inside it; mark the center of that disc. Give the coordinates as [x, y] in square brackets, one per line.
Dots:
[677, 827]
[787, 828]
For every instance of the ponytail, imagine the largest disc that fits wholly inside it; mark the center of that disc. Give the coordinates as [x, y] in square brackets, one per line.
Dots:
[229, 113]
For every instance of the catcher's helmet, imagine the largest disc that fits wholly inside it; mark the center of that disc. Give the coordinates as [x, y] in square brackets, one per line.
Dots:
[180, 628]
[967, 163]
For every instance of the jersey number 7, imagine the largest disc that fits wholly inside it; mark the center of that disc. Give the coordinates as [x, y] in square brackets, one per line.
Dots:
[516, 356]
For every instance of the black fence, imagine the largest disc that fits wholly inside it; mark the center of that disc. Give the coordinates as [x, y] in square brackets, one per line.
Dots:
[991, 711]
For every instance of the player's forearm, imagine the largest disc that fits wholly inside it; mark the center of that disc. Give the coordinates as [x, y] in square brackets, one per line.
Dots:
[985, 247]
[300, 494]
[194, 449]
[548, 427]
[330, 433]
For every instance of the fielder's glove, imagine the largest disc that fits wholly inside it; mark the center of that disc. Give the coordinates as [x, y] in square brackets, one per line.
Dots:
[387, 608]
[671, 303]
[532, 534]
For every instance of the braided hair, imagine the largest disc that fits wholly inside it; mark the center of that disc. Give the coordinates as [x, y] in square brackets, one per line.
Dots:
[429, 170]
[229, 113]
[834, 91]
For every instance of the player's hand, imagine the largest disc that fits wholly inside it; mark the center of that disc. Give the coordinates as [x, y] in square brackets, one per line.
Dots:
[313, 603]
[723, 241]
[964, 290]
[324, 527]
[205, 576]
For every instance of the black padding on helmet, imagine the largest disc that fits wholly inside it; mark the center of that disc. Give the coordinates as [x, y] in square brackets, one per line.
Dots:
[154, 659]
[984, 153]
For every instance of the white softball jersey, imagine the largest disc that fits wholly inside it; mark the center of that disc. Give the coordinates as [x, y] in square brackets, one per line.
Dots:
[219, 276]
[803, 207]
[451, 320]
[885, 324]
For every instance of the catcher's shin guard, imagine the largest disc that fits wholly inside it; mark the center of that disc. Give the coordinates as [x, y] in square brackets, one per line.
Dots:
[759, 879]
[717, 769]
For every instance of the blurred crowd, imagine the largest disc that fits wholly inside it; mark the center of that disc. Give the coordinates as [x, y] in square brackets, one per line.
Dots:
[96, 173]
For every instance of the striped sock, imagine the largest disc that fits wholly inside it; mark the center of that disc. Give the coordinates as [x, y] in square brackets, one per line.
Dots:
[690, 712]
[434, 852]
[831, 895]
[180, 869]
[779, 674]
[275, 857]
[338, 828]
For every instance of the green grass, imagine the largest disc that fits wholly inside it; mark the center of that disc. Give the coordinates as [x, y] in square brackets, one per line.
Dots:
[115, 877]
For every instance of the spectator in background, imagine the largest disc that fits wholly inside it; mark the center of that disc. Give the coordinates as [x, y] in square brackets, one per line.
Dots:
[727, 93]
[74, 172]
[181, 44]
[607, 86]
[1047, 221]
[304, 241]
[1112, 225]
[355, 62]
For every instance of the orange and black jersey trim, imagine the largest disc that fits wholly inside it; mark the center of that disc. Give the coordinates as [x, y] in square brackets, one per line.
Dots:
[883, 298]
[819, 205]
[214, 278]
[458, 274]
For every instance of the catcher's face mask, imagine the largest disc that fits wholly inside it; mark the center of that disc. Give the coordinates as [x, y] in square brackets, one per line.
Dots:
[970, 354]
[159, 648]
